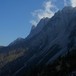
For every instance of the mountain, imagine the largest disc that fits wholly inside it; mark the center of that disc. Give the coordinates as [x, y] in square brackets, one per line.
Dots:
[33, 27]
[17, 41]
[50, 39]
[38, 28]
[1, 47]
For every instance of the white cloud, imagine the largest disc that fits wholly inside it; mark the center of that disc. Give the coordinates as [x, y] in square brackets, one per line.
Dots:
[65, 3]
[73, 3]
[33, 22]
[46, 11]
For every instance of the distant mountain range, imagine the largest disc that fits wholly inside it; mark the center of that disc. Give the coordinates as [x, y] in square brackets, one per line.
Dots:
[50, 39]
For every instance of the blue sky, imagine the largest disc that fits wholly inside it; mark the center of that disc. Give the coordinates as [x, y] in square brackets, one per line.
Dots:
[17, 16]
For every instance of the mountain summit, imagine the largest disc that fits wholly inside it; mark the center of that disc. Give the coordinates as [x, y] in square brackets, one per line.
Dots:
[50, 39]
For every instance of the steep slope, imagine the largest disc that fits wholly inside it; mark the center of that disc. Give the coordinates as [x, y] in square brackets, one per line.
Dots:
[54, 39]
[50, 39]
[38, 28]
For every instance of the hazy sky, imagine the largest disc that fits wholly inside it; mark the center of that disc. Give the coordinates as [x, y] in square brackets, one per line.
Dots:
[17, 16]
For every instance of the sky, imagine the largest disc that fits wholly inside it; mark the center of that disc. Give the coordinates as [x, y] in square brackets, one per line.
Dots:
[18, 16]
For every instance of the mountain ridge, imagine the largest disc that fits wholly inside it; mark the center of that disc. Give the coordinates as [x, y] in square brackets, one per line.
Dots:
[54, 38]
